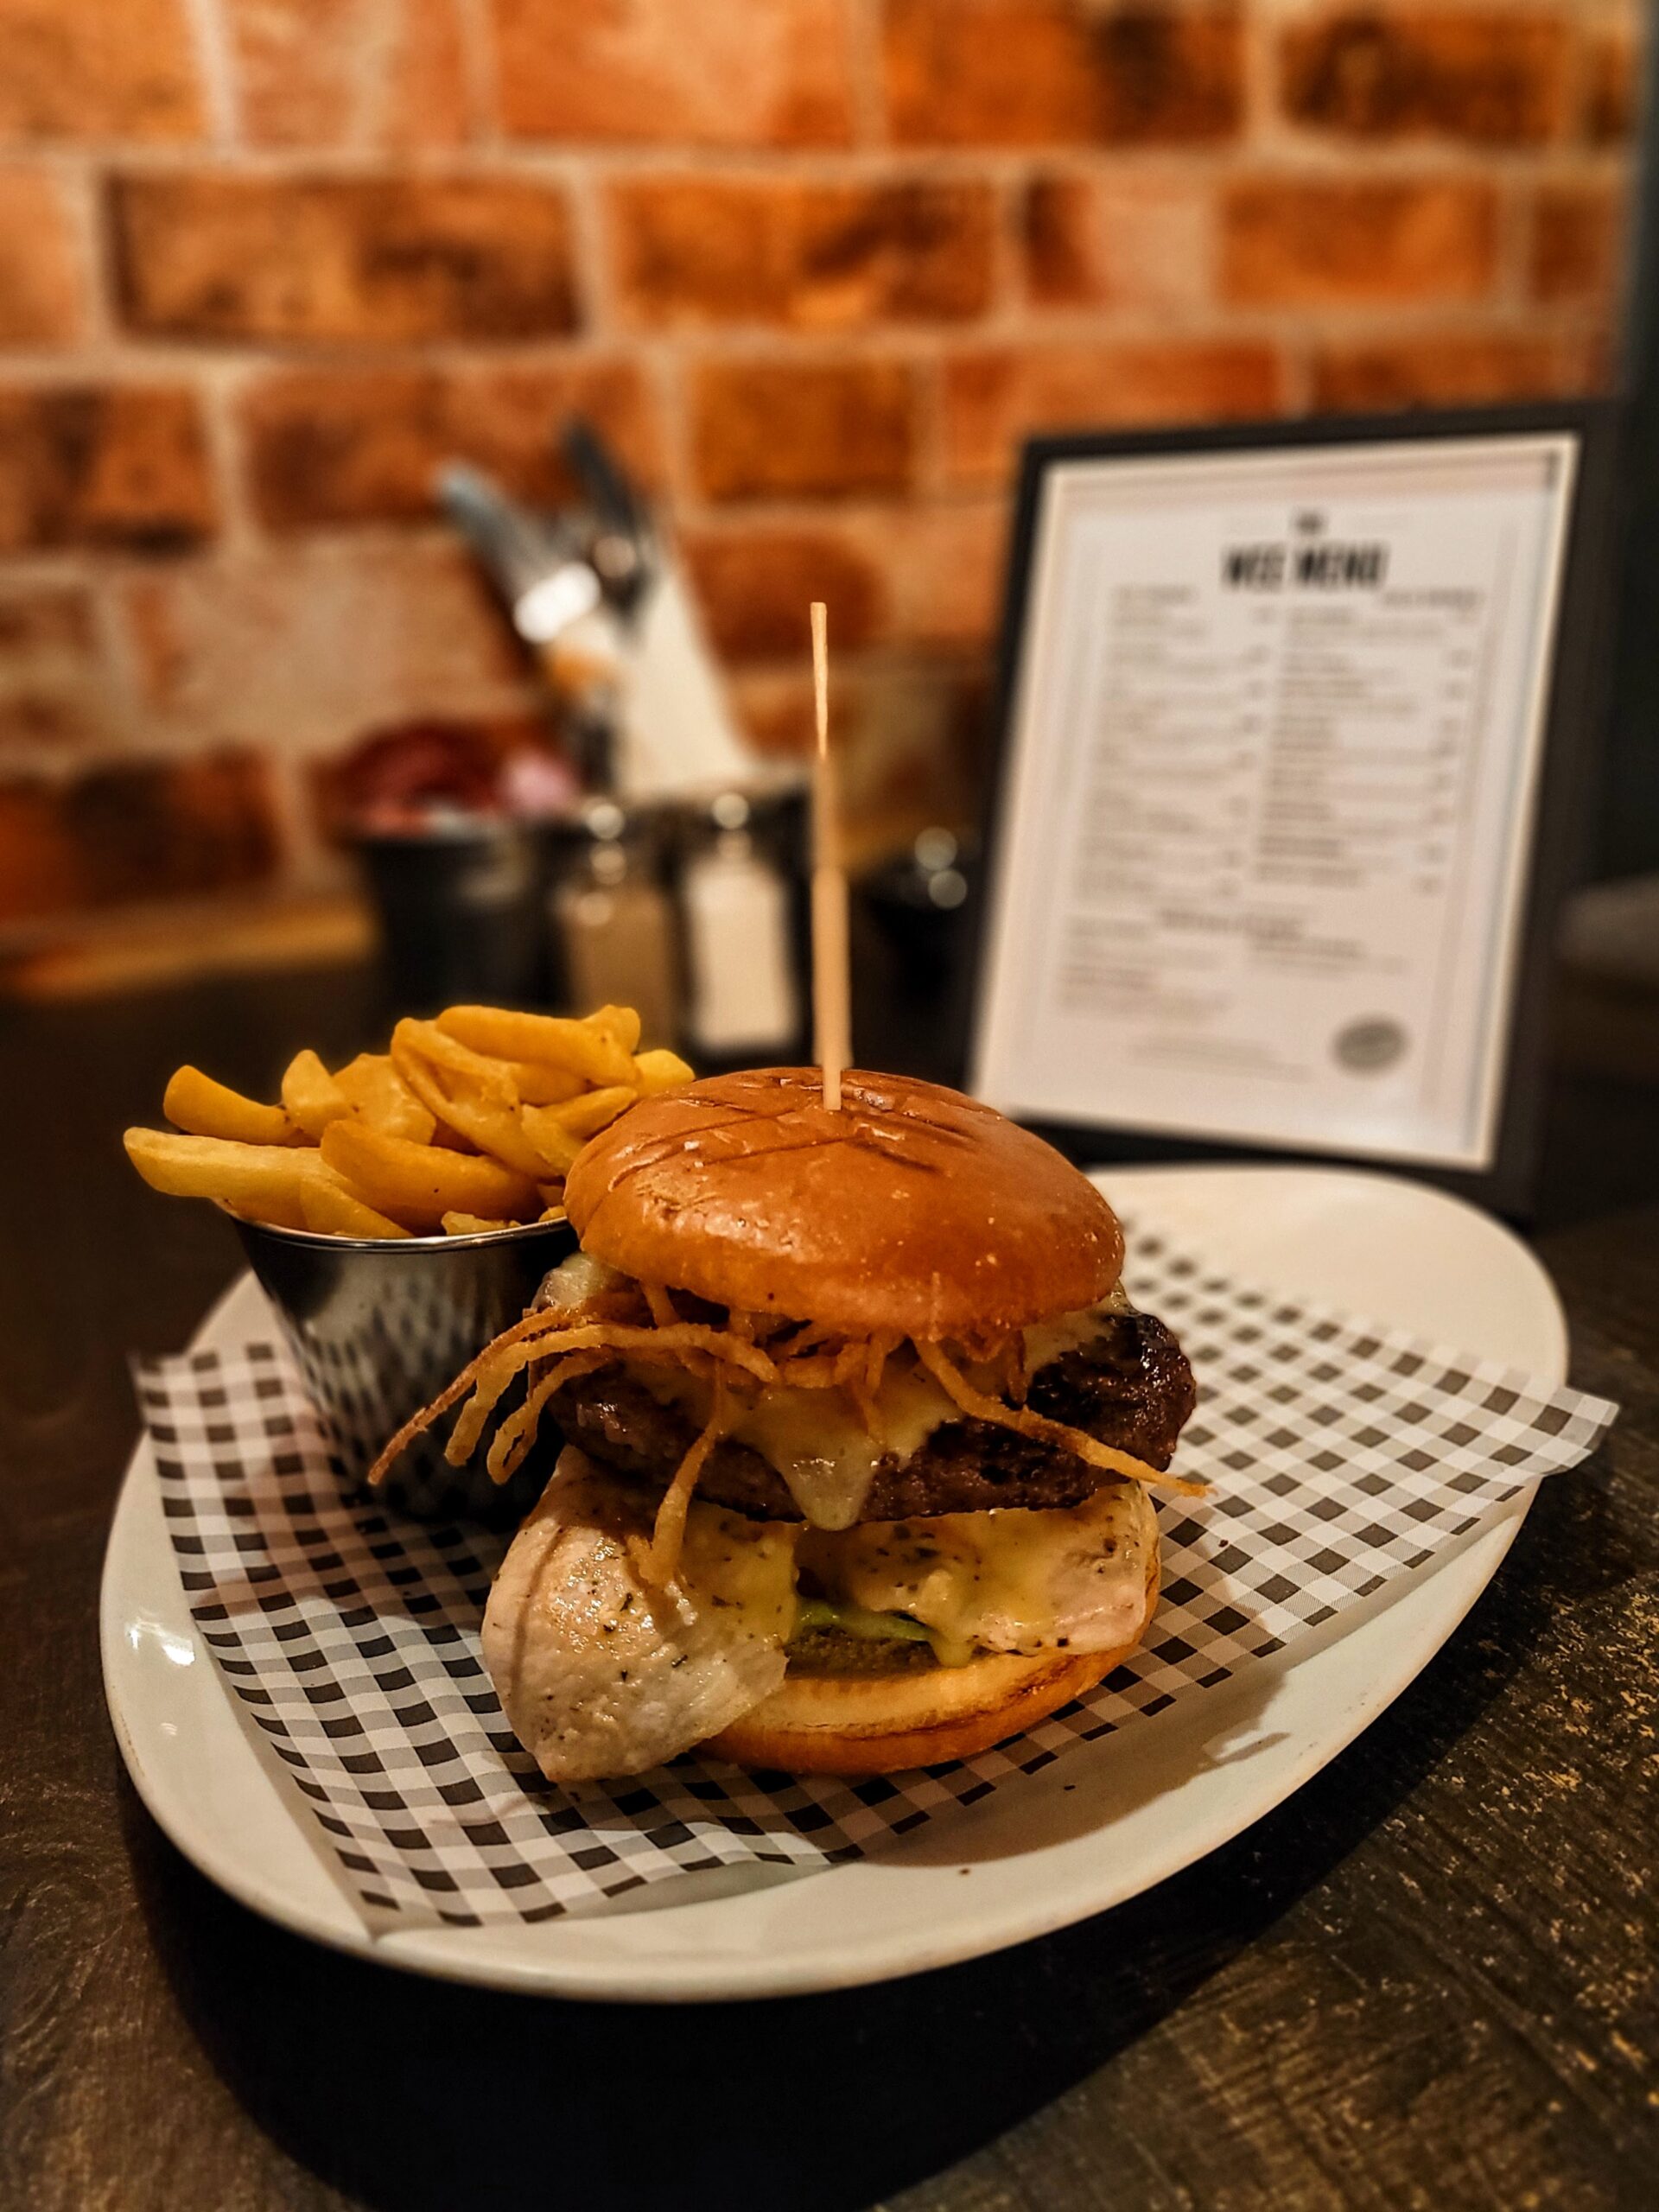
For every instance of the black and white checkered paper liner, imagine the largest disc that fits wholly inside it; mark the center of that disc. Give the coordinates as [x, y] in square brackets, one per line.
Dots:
[1341, 1456]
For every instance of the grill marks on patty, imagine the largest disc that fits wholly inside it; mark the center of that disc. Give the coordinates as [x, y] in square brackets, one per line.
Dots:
[1130, 1386]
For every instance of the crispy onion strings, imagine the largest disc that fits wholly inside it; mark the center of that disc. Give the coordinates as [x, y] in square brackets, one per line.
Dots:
[813, 1371]
[1018, 1382]
[1077, 1441]
[668, 1533]
[849, 1360]
[866, 1407]
[805, 1336]
[532, 1324]
[749, 1348]
[517, 1432]
[862, 1379]
[417, 1424]
[664, 1346]
[542, 1334]
[842, 1366]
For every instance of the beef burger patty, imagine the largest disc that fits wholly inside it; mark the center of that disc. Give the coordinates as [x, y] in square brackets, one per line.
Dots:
[1130, 1386]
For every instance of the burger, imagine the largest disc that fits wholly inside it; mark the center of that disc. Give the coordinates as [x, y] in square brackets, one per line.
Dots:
[858, 1428]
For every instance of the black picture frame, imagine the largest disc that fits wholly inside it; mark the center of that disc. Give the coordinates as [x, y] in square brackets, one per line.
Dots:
[1573, 728]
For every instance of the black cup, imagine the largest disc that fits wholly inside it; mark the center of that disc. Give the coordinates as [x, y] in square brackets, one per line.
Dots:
[379, 1327]
[460, 912]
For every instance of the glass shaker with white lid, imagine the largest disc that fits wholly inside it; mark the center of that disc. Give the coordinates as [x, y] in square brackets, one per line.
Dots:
[743, 987]
[613, 922]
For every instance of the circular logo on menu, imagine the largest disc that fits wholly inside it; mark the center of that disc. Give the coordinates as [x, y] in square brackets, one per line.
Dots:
[1369, 1046]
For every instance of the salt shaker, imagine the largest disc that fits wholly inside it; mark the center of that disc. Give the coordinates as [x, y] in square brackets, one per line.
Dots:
[614, 923]
[743, 994]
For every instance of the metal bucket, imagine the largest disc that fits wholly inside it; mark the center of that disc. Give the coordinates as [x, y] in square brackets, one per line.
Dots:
[379, 1327]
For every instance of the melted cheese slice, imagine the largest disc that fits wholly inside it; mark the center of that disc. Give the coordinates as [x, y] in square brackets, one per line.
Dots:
[1009, 1579]
[819, 1445]
[573, 1282]
[1047, 1341]
[743, 1569]
[824, 1453]
[814, 1439]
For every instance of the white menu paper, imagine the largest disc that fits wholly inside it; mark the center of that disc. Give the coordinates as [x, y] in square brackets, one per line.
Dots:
[1274, 758]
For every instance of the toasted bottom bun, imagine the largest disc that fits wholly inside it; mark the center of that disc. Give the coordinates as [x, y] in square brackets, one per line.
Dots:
[877, 1724]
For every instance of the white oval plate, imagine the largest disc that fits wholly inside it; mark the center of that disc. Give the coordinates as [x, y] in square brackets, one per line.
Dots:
[1100, 1826]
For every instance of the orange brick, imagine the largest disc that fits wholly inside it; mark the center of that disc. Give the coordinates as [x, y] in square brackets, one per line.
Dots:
[1499, 79]
[909, 739]
[944, 572]
[40, 869]
[1577, 242]
[303, 648]
[912, 576]
[741, 72]
[41, 295]
[1294, 242]
[774, 707]
[754, 586]
[382, 73]
[996, 397]
[1450, 368]
[363, 445]
[1047, 72]
[97, 69]
[53, 687]
[110, 465]
[791, 428]
[1095, 242]
[815, 256]
[373, 258]
[47, 717]
[51, 619]
[159, 829]
[1612, 92]
[142, 829]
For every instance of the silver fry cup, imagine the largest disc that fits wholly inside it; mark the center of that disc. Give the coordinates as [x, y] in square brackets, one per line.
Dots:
[379, 1325]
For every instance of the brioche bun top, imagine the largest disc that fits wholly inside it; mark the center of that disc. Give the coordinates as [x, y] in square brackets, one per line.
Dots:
[913, 1209]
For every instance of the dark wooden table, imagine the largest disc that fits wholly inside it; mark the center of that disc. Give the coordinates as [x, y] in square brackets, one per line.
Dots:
[1429, 1980]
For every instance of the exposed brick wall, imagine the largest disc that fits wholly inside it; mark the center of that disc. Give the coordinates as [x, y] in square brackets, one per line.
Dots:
[816, 266]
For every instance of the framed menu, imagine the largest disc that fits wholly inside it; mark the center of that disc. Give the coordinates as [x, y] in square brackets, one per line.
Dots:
[1296, 723]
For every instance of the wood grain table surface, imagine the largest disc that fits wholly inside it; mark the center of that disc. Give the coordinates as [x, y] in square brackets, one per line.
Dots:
[1427, 1980]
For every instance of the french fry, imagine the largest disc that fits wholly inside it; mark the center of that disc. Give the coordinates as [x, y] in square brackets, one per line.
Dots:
[468, 1124]
[557, 1148]
[380, 1096]
[621, 1022]
[496, 1134]
[582, 1047]
[332, 1208]
[265, 1182]
[491, 1079]
[595, 1110]
[194, 1102]
[658, 1071]
[311, 1097]
[538, 1083]
[418, 1184]
[489, 1121]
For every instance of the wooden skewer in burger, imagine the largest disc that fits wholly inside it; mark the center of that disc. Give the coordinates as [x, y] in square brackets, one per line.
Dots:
[858, 1425]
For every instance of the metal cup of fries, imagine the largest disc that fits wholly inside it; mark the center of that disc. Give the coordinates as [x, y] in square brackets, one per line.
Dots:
[377, 1327]
[400, 1212]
